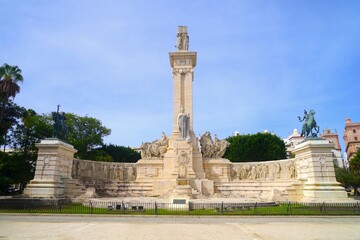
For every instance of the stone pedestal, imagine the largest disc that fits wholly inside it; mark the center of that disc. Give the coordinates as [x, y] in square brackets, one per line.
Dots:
[182, 189]
[53, 167]
[149, 169]
[183, 155]
[183, 159]
[315, 169]
[217, 169]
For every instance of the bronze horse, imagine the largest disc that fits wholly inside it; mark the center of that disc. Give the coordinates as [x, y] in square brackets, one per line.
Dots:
[309, 124]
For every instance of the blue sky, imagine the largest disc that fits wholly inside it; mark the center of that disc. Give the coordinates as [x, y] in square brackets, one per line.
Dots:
[260, 63]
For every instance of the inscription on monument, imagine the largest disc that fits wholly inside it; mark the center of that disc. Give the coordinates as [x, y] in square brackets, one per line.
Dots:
[179, 201]
[182, 62]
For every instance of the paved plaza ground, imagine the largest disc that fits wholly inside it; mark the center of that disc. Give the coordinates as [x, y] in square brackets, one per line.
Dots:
[66, 227]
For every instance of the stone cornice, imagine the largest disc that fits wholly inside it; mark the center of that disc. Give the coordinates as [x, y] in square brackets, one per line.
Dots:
[183, 58]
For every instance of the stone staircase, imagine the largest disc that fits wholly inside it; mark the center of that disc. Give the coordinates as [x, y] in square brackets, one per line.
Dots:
[262, 190]
[73, 188]
[122, 189]
[136, 188]
[294, 192]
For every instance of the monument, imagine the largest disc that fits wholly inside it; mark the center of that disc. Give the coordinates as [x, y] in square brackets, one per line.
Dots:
[54, 162]
[316, 164]
[182, 167]
[53, 168]
[183, 171]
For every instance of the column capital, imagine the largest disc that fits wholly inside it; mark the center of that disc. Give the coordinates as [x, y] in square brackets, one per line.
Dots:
[182, 70]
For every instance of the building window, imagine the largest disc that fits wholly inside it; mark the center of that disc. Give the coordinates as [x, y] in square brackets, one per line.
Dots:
[354, 130]
[356, 138]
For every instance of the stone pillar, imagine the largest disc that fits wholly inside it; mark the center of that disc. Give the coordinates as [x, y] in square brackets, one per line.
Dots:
[183, 164]
[183, 63]
[53, 167]
[315, 169]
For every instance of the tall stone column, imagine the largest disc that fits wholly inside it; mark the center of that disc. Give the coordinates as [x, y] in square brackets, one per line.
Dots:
[183, 158]
[183, 64]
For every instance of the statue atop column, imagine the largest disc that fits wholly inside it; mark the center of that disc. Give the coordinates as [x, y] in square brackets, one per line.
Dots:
[184, 125]
[182, 39]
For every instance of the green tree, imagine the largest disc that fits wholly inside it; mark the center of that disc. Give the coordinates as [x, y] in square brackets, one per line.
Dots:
[344, 176]
[14, 168]
[85, 133]
[18, 167]
[113, 153]
[97, 155]
[32, 129]
[11, 116]
[354, 167]
[121, 153]
[255, 147]
[10, 76]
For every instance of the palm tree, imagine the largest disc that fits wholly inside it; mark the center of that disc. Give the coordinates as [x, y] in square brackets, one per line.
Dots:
[9, 78]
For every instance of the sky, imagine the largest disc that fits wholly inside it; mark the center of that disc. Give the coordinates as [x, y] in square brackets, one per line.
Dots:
[259, 63]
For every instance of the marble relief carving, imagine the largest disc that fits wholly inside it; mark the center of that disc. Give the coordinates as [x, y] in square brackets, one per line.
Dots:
[104, 170]
[257, 171]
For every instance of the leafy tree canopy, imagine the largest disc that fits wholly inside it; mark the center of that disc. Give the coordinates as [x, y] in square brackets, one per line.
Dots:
[32, 129]
[354, 167]
[12, 114]
[10, 76]
[255, 147]
[355, 164]
[14, 168]
[113, 153]
[345, 177]
[85, 133]
[121, 154]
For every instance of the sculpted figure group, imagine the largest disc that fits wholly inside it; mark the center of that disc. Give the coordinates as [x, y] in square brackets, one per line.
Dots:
[209, 148]
[212, 149]
[182, 39]
[254, 171]
[156, 149]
